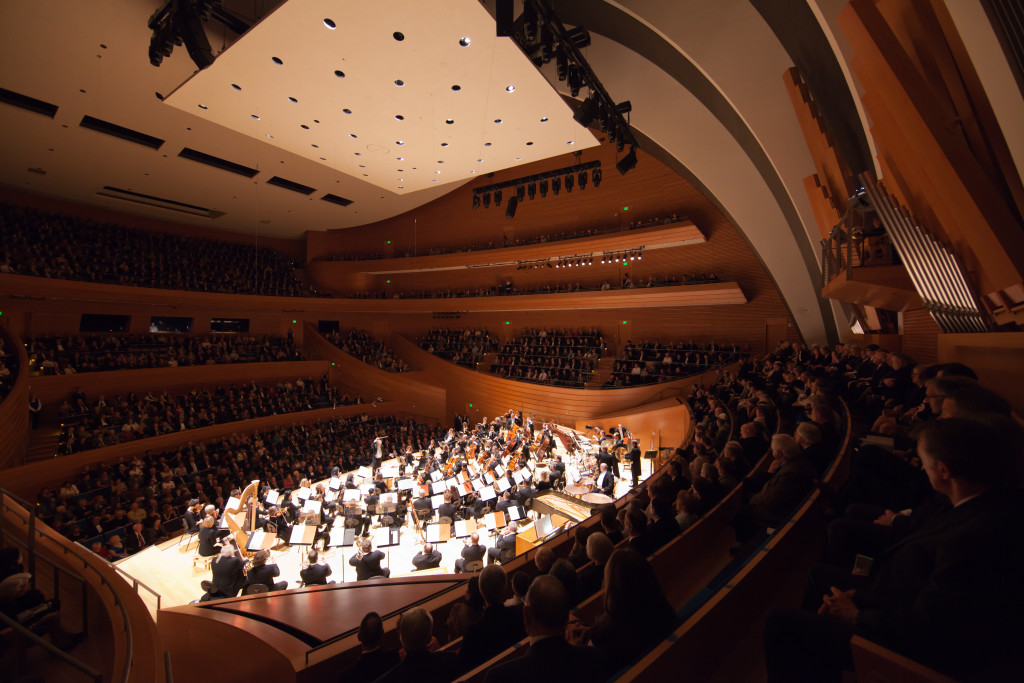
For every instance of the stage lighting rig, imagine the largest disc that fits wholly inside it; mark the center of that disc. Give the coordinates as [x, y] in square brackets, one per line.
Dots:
[181, 21]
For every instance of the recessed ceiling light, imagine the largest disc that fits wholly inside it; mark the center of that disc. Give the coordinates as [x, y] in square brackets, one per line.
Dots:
[543, 119]
[497, 120]
[362, 165]
[510, 88]
[464, 41]
[440, 162]
[528, 144]
[473, 171]
[400, 170]
[519, 158]
[449, 121]
[329, 23]
[436, 171]
[315, 146]
[323, 158]
[487, 144]
[399, 82]
[352, 135]
[292, 99]
[401, 180]
[570, 142]
[444, 144]
[303, 126]
[366, 175]
[358, 154]
[203, 106]
[339, 73]
[398, 35]
[255, 116]
[399, 142]
[236, 86]
[399, 117]
[270, 136]
[276, 60]
[479, 161]
[400, 158]
[456, 88]
[347, 111]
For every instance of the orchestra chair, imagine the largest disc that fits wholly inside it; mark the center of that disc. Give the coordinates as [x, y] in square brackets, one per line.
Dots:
[473, 566]
[255, 589]
[188, 536]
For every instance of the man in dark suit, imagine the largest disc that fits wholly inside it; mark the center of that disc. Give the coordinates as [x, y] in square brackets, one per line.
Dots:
[373, 660]
[138, 538]
[471, 552]
[505, 547]
[504, 503]
[605, 481]
[191, 520]
[635, 461]
[808, 437]
[315, 574]
[227, 573]
[208, 546]
[550, 659]
[948, 595]
[367, 562]
[416, 629]
[428, 558]
[791, 480]
[264, 573]
[557, 470]
[498, 628]
[446, 509]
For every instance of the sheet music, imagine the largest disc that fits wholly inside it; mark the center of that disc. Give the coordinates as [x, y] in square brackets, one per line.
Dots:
[232, 504]
[515, 512]
[335, 483]
[436, 475]
[464, 527]
[438, 533]
[488, 478]
[273, 497]
[389, 471]
[500, 471]
[477, 484]
[437, 500]
[312, 506]
[462, 476]
[450, 482]
[352, 496]
[517, 477]
[255, 541]
[488, 493]
[302, 493]
[366, 489]
[504, 484]
[330, 496]
[406, 484]
[391, 498]
[302, 535]
[572, 473]
[438, 487]
[364, 472]
[342, 537]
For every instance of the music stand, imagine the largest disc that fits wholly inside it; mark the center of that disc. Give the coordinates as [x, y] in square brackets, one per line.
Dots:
[260, 540]
[335, 483]
[516, 512]
[439, 533]
[273, 497]
[464, 527]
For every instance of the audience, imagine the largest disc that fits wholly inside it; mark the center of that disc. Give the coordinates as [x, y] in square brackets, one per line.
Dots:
[465, 347]
[416, 630]
[373, 659]
[45, 244]
[652, 362]
[552, 357]
[497, 628]
[360, 344]
[66, 355]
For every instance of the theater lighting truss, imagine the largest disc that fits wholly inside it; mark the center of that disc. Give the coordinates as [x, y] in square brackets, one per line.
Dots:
[182, 21]
[623, 256]
[526, 187]
[575, 261]
[539, 33]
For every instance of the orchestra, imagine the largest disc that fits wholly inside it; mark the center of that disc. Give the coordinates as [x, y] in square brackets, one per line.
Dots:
[482, 478]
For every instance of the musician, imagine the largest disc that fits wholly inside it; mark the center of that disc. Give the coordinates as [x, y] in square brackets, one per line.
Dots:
[504, 549]
[471, 552]
[544, 482]
[191, 520]
[378, 455]
[287, 514]
[264, 573]
[605, 481]
[446, 509]
[208, 546]
[315, 574]
[504, 503]
[350, 481]
[428, 558]
[367, 562]
[380, 484]
[558, 470]
[227, 572]
[635, 458]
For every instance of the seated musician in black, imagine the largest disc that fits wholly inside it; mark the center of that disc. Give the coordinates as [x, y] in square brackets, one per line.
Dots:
[315, 574]
[504, 549]
[471, 552]
[227, 573]
[264, 573]
[367, 562]
[428, 558]
[446, 509]
[208, 546]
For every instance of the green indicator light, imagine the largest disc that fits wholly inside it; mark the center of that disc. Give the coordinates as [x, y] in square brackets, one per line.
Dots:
[389, 241]
[332, 364]
[624, 322]
[294, 321]
[625, 208]
[470, 405]
[389, 282]
[624, 263]
[507, 322]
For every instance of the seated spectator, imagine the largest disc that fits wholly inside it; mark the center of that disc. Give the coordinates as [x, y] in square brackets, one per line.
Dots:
[520, 584]
[946, 596]
[591, 576]
[467, 610]
[563, 570]
[792, 479]
[416, 630]
[543, 560]
[497, 628]
[549, 659]
[686, 506]
[610, 524]
[373, 659]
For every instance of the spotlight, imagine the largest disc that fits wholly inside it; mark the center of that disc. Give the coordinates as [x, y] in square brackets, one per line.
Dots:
[487, 200]
[543, 188]
[497, 197]
[587, 111]
[510, 207]
[556, 185]
[531, 190]
[602, 259]
[568, 182]
[597, 177]
[476, 201]
[520, 192]
[628, 162]
[581, 180]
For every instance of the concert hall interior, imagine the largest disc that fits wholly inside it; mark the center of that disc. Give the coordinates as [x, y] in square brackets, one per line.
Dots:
[481, 340]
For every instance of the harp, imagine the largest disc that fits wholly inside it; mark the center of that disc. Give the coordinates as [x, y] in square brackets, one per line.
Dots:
[241, 520]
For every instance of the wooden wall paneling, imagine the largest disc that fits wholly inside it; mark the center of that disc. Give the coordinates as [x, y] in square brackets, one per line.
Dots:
[920, 336]
[656, 425]
[14, 407]
[419, 398]
[997, 358]
[53, 389]
[27, 480]
[949, 177]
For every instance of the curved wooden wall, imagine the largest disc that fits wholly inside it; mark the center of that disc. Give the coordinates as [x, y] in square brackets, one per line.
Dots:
[417, 397]
[14, 407]
[478, 394]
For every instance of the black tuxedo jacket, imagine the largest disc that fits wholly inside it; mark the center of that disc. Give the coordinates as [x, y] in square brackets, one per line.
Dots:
[550, 660]
[368, 565]
[315, 574]
[227, 576]
[950, 594]
[424, 561]
[495, 630]
[264, 575]
[473, 552]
